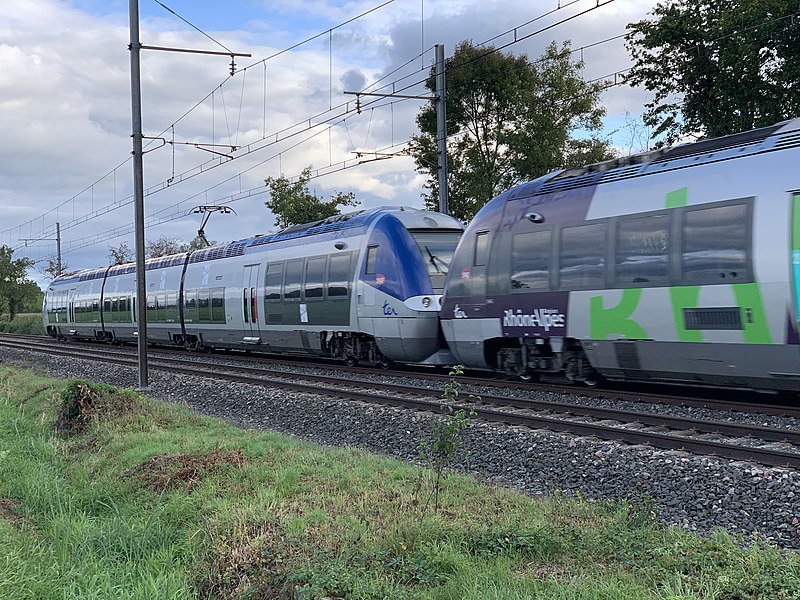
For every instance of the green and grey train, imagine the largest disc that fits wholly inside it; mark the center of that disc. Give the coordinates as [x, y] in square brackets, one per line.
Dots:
[362, 287]
[678, 265]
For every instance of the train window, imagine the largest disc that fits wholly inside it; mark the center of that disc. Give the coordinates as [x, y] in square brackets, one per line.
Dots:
[293, 279]
[245, 306]
[161, 307]
[172, 307]
[123, 315]
[339, 276]
[272, 286]
[582, 257]
[372, 260]
[218, 305]
[203, 306]
[315, 274]
[530, 261]
[642, 255]
[190, 306]
[481, 249]
[437, 248]
[715, 245]
[152, 308]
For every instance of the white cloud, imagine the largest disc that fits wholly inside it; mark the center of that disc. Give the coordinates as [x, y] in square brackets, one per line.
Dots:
[65, 103]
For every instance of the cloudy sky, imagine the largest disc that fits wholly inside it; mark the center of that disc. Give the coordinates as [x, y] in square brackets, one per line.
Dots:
[65, 116]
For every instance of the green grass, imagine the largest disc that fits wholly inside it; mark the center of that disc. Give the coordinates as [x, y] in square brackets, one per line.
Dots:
[105, 494]
[24, 324]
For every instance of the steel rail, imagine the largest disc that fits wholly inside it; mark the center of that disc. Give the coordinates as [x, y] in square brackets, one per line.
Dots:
[766, 456]
[732, 429]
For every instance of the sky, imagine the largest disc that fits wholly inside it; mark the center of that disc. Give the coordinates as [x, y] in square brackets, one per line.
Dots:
[212, 138]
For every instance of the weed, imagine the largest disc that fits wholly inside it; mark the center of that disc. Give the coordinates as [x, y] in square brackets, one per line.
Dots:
[444, 446]
[81, 402]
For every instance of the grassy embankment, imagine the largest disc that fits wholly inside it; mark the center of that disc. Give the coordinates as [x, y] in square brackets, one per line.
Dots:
[104, 494]
[24, 324]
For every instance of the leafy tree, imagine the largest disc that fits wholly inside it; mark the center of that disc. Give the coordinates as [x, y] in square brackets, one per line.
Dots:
[163, 246]
[121, 254]
[717, 67]
[51, 271]
[26, 297]
[13, 280]
[196, 244]
[509, 120]
[293, 203]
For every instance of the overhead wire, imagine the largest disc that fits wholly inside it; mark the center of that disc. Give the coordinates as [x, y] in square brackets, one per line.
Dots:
[199, 103]
[204, 167]
[377, 103]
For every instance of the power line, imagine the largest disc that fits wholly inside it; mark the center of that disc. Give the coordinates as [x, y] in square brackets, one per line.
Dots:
[250, 149]
[168, 9]
[185, 114]
[204, 167]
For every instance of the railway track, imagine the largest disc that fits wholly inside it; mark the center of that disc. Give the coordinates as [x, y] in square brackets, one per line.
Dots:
[735, 441]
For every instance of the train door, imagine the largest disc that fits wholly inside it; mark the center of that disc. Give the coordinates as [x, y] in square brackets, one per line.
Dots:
[250, 308]
[796, 256]
[476, 273]
[71, 305]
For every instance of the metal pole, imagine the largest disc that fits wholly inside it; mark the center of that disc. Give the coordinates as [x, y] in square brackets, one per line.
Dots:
[58, 248]
[138, 192]
[441, 128]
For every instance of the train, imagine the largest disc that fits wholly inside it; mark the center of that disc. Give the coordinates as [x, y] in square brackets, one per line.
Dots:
[677, 265]
[363, 287]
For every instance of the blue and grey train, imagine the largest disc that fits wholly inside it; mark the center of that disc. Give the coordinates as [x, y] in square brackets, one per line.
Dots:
[362, 287]
[680, 265]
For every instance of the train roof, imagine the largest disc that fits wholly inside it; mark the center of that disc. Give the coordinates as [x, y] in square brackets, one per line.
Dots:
[765, 139]
[336, 223]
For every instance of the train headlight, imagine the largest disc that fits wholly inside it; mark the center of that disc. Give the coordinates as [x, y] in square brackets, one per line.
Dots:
[426, 302]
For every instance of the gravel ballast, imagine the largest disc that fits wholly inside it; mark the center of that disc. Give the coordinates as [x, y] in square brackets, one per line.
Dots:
[694, 492]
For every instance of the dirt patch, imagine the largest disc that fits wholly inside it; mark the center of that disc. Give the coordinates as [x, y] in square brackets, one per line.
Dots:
[185, 471]
[8, 512]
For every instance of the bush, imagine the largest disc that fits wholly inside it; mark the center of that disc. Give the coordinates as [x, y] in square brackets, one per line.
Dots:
[29, 324]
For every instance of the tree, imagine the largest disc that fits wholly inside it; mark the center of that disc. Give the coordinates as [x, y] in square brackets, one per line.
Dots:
[196, 244]
[13, 280]
[717, 67]
[51, 271]
[508, 120]
[163, 246]
[26, 297]
[121, 254]
[293, 203]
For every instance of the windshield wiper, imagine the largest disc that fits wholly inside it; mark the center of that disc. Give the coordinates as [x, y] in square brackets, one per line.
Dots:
[435, 258]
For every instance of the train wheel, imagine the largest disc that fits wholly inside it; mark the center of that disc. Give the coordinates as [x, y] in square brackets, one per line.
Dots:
[350, 360]
[386, 364]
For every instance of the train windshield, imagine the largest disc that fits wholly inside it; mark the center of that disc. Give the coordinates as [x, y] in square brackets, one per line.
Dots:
[437, 249]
